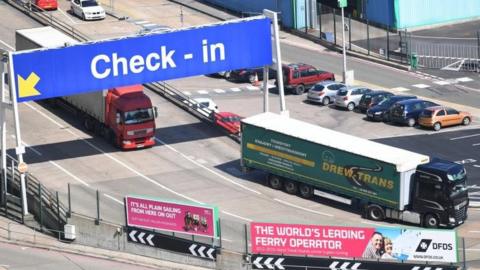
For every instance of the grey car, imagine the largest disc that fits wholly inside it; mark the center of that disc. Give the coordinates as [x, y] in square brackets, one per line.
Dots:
[324, 92]
[349, 97]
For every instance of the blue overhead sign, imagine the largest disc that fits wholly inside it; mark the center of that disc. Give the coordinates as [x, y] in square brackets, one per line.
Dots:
[90, 67]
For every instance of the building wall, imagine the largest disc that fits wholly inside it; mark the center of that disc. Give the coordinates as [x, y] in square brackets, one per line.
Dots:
[381, 12]
[413, 13]
[251, 7]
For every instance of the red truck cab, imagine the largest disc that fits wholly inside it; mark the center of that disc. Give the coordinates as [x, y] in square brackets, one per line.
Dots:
[130, 117]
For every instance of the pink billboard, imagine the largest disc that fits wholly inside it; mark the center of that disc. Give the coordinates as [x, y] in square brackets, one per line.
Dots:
[312, 240]
[170, 216]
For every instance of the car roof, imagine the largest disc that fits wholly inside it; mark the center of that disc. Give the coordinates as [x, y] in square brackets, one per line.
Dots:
[434, 108]
[402, 96]
[297, 65]
[411, 101]
[379, 92]
[203, 99]
[327, 82]
[353, 87]
[224, 114]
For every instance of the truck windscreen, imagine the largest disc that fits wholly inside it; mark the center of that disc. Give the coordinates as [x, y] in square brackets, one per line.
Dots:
[138, 116]
[458, 181]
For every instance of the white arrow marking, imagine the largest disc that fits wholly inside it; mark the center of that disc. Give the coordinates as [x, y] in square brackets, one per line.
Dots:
[278, 263]
[344, 265]
[257, 262]
[149, 240]
[333, 265]
[267, 263]
[132, 235]
[140, 237]
[209, 253]
[355, 266]
[200, 251]
[192, 249]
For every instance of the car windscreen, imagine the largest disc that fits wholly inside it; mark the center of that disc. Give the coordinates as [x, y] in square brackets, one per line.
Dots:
[342, 92]
[89, 3]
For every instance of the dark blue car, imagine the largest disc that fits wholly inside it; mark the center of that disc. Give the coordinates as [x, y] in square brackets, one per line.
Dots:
[380, 111]
[408, 111]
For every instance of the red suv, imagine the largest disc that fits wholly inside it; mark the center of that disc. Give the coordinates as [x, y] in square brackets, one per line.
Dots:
[298, 77]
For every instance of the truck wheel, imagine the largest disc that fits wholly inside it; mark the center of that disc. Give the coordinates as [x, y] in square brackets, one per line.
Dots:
[430, 221]
[291, 187]
[375, 212]
[275, 182]
[299, 89]
[306, 191]
[88, 123]
[411, 122]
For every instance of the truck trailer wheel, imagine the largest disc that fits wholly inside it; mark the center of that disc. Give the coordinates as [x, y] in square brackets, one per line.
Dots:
[375, 212]
[291, 187]
[430, 221]
[306, 191]
[275, 182]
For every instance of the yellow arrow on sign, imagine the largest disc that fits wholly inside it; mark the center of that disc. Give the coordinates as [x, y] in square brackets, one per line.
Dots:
[26, 88]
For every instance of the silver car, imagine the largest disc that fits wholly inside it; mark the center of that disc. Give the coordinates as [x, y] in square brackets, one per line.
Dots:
[349, 97]
[324, 92]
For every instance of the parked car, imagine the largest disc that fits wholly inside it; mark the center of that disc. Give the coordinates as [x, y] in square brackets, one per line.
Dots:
[87, 9]
[440, 116]
[248, 74]
[381, 112]
[324, 92]
[205, 106]
[299, 77]
[370, 99]
[229, 121]
[408, 111]
[349, 97]
[45, 4]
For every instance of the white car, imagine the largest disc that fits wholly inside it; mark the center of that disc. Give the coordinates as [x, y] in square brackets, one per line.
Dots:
[87, 9]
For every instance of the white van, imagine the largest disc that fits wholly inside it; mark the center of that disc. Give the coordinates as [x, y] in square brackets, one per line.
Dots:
[205, 106]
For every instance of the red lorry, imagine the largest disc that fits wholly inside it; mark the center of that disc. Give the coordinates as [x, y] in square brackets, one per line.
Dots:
[124, 115]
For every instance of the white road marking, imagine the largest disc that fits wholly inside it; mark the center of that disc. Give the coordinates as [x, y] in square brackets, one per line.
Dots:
[475, 144]
[112, 198]
[400, 89]
[8, 46]
[464, 137]
[464, 79]
[377, 224]
[203, 92]
[141, 22]
[46, 116]
[237, 216]
[148, 24]
[69, 173]
[29, 147]
[187, 93]
[253, 88]
[207, 169]
[235, 89]
[302, 208]
[65, 14]
[115, 159]
[220, 91]
[441, 82]
[421, 85]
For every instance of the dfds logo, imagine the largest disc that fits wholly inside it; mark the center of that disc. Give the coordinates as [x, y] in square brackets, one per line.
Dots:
[425, 244]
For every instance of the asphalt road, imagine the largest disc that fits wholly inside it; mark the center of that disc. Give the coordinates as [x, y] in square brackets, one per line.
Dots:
[195, 162]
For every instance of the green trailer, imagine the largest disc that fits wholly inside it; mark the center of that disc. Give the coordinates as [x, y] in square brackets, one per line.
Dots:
[310, 160]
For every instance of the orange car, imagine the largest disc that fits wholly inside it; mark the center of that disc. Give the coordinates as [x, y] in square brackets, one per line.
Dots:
[439, 116]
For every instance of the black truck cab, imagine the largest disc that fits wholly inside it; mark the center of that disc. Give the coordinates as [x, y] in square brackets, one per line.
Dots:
[440, 194]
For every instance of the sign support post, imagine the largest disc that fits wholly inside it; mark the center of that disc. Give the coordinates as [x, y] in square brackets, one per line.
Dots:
[277, 59]
[3, 134]
[20, 149]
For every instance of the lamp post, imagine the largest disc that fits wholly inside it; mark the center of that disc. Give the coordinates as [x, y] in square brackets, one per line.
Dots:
[341, 5]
